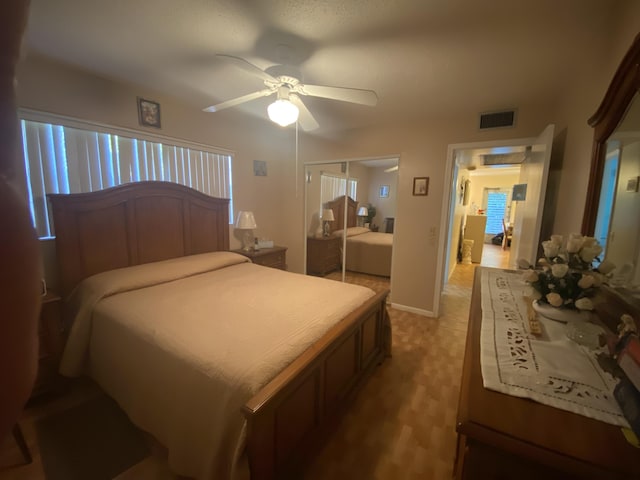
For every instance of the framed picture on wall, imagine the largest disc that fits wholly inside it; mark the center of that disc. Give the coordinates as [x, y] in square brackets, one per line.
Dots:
[519, 192]
[260, 168]
[148, 113]
[384, 191]
[421, 186]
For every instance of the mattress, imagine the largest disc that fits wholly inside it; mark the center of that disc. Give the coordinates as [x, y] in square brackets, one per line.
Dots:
[181, 345]
[369, 252]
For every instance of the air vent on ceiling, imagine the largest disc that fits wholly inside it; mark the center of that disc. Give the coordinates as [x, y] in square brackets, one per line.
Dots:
[506, 118]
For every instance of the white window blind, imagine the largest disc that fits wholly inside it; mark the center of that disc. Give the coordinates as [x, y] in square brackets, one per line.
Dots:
[497, 208]
[334, 186]
[61, 159]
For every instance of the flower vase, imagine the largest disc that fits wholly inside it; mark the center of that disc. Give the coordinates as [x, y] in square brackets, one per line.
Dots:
[560, 314]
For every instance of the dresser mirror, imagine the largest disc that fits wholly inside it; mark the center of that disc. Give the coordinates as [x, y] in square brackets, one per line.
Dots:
[612, 210]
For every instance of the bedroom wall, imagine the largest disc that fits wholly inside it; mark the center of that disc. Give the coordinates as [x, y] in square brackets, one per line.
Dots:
[481, 181]
[423, 153]
[313, 194]
[363, 175]
[423, 148]
[385, 207]
[276, 200]
[575, 108]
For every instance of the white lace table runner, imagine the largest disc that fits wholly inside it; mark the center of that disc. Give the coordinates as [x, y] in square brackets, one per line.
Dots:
[550, 369]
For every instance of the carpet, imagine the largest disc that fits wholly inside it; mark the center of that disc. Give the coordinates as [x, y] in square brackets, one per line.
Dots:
[94, 440]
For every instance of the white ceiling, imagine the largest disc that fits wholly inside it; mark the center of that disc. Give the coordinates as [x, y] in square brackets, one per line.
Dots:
[424, 58]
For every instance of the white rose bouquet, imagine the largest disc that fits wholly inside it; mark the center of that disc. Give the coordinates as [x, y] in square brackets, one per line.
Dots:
[567, 277]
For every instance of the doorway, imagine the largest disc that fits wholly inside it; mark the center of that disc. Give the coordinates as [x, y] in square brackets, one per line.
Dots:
[489, 209]
[525, 165]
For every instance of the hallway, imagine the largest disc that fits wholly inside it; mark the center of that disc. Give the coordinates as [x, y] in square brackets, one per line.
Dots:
[494, 256]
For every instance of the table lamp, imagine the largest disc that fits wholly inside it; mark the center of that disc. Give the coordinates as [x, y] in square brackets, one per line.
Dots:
[327, 216]
[362, 212]
[246, 222]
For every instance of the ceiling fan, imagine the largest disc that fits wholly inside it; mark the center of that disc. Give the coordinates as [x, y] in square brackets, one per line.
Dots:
[286, 82]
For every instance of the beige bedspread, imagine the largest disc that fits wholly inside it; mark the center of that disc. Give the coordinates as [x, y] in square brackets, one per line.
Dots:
[182, 356]
[369, 252]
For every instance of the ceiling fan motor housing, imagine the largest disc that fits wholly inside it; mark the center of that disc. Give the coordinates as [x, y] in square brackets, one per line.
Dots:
[285, 73]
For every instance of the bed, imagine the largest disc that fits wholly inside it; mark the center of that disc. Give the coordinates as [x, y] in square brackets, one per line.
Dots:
[187, 337]
[367, 252]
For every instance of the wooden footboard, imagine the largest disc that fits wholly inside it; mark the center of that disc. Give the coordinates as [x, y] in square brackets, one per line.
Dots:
[286, 418]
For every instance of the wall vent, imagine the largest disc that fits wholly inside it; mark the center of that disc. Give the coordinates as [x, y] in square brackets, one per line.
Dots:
[502, 119]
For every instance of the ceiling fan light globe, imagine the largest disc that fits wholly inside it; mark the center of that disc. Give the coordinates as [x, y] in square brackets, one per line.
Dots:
[283, 112]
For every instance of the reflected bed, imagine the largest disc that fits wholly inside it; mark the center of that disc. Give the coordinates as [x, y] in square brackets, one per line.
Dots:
[367, 252]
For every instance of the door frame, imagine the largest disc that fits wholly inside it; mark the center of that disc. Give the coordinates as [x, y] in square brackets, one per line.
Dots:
[446, 215]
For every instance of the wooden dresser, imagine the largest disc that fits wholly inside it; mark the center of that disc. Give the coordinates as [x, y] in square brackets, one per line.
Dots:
[502, 436]
[323, 255]
[275, 257]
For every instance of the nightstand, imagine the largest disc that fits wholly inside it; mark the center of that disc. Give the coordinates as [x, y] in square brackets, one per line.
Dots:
[51, 338]
[323, 255]
[275, 257]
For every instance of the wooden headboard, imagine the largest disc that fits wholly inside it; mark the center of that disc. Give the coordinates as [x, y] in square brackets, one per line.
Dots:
[337, 205]
[134, 223]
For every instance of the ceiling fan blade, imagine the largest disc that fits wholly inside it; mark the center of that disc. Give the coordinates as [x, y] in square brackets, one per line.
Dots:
[237, 101]
[306, 120]
[353, 95]
[247, 67]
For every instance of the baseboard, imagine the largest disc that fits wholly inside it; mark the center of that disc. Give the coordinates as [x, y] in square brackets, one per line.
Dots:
[418, 311]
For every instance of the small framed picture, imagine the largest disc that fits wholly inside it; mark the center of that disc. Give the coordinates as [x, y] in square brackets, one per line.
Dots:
[421, 186]
[260, 168]
[384, 191]
[148, 113]
[632, 184]
[519, 192]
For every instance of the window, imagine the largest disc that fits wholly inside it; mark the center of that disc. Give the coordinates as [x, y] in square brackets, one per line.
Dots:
[63, 159]
[496, 209]
[334, 186]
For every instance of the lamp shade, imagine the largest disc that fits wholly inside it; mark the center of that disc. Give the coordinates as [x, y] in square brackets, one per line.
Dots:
[327, 215]
[363, 212]
[245, 221]
[283, 112]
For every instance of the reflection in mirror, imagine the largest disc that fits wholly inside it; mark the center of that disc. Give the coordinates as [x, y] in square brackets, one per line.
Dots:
[612, 211]
[366, 213]
[324, 249]
[618, 223]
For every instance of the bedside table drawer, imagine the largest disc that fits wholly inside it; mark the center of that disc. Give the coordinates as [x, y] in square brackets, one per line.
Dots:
[334, 246]
[275, 260]
[324, 255]
[51, 344]
[50, 328]
[275, 257]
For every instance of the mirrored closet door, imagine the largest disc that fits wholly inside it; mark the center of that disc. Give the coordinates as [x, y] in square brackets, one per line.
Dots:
[350, 217]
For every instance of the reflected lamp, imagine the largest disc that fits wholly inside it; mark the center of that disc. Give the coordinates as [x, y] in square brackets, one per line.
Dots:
[362, 213]
[327, 216]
